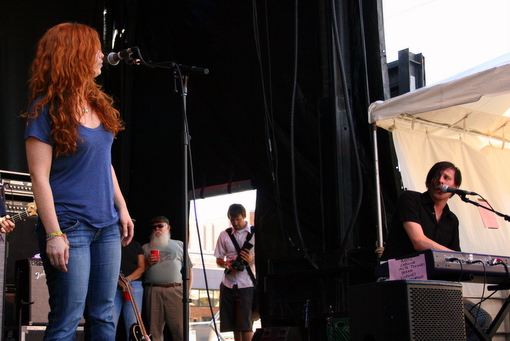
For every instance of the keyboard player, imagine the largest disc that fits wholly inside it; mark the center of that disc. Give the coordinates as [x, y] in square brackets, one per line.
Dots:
[423, 221]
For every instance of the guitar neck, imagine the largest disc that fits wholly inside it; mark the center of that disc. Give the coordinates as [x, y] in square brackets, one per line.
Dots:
[20, 216]
[139, 320]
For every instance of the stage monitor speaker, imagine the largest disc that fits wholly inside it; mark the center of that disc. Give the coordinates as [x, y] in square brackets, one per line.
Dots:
[31, 287]
[277, 334]
[407, 310]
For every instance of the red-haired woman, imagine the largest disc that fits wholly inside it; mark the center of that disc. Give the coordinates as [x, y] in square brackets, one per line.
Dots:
[83, 218]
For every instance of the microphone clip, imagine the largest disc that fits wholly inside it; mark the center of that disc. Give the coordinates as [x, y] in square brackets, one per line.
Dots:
[114, 58]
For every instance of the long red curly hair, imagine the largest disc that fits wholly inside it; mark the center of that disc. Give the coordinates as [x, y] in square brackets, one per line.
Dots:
[63, 73]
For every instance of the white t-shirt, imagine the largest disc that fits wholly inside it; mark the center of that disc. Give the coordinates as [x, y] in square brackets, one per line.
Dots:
[171, 261]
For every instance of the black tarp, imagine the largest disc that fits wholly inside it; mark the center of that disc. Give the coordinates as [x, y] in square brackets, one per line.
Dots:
[284, 105]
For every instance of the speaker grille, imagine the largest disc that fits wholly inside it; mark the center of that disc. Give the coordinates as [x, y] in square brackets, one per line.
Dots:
[406, 310]
[431, 318]
[9, 309]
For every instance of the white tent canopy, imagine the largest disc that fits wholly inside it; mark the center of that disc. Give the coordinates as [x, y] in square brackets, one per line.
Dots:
[473, 102]
[462, 120]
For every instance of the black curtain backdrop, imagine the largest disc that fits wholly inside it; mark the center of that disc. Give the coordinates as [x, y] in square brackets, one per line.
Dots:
[284, 105]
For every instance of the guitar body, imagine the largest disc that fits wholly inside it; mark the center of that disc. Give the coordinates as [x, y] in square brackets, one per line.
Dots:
[136, 333]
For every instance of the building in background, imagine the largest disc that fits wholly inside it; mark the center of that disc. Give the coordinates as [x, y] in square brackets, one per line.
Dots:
[208, 217]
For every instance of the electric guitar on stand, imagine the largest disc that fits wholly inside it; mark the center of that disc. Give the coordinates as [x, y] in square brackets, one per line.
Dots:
[138, 332]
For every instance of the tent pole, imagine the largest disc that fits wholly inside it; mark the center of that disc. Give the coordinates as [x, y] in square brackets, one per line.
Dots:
[377, 189]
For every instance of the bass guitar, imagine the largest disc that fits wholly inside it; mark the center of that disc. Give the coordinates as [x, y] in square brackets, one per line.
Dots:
[138, 332]
[30, 211]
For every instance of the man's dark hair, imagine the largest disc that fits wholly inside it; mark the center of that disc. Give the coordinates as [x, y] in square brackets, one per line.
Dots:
[236, 209]
[438, 168]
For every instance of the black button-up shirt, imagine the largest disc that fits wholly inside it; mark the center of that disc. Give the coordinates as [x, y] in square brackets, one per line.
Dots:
[419, 208]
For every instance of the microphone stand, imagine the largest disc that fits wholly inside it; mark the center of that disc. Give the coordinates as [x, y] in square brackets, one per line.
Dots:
[185, 218]
[463, 198]
[181, 75]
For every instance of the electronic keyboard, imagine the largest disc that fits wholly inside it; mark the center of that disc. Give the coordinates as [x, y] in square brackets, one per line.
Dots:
[460, 267]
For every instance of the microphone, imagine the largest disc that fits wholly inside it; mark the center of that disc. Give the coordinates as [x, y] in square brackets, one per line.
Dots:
[115, 57]
[446, 189]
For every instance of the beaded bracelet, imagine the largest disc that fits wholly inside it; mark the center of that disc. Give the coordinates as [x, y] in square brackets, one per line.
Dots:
[54, 234]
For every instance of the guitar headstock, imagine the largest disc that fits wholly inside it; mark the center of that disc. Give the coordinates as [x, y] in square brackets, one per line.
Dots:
[32, 209]
[123, 279]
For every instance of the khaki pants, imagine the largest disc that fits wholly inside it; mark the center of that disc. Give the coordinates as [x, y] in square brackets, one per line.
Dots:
[164, 306]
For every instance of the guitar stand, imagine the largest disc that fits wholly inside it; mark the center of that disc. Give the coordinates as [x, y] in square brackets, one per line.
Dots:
[491, 331]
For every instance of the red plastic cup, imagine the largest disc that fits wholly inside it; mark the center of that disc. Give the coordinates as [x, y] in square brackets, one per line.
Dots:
[155, 253]
[126, 296]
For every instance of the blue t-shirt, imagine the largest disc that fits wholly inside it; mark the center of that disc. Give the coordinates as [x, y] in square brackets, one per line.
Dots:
[81, 183]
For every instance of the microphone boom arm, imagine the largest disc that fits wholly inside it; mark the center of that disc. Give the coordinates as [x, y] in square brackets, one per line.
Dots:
[463, 198]
[180, 69]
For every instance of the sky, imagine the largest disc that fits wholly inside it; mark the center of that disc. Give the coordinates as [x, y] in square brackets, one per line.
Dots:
[453, 35]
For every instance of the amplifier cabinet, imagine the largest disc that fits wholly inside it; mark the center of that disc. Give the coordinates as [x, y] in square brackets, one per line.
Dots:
[31, 287]
[407, 310]
[36, 333]
[3, 308]
[21, 244]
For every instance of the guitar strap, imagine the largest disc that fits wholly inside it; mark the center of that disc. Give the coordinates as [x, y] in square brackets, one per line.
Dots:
[238, 249]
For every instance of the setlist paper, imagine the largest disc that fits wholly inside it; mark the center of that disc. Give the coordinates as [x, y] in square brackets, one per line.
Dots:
[408, 268]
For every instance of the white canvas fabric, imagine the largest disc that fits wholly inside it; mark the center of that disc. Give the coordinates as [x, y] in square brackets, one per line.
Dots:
[462, 120]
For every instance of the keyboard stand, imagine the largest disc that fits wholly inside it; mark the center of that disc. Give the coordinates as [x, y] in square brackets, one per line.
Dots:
[491, 331]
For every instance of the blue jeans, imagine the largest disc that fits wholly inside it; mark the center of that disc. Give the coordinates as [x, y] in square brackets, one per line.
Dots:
[126, 307]
[88, 288]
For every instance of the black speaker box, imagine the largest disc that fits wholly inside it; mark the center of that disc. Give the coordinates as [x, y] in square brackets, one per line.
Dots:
[31, 287]
[277, 334]
[21, 244]
[406, 310]
[10, 318]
